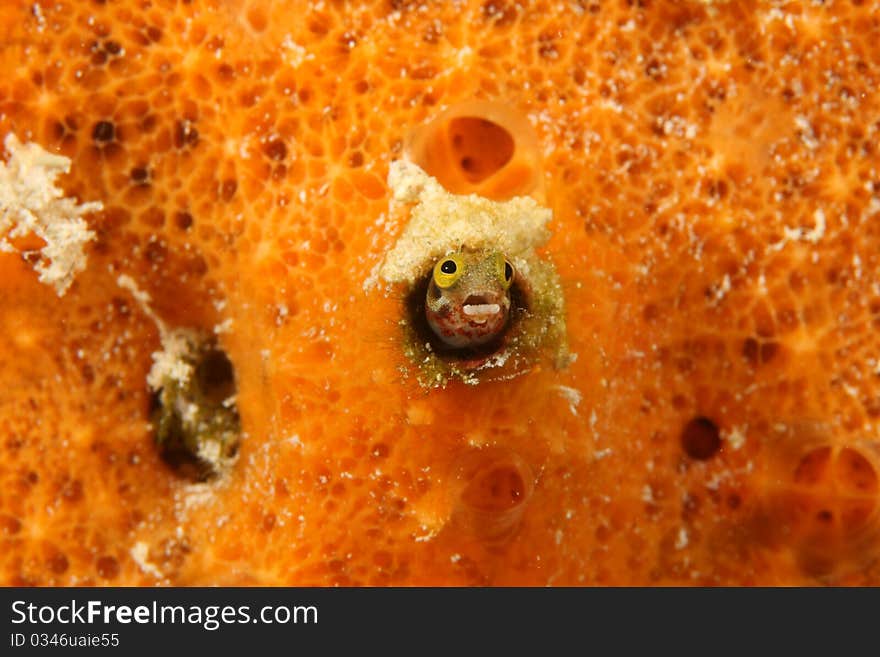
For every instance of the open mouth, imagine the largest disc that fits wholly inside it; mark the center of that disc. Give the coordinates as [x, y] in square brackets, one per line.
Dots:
[478, 310]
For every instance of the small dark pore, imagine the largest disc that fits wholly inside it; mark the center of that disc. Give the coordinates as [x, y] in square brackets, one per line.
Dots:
[216, 376]
[183, 220]
[103, 132]
[228, 188]
[185, 134]
[700, 438]
[140, 175]
[759, 353]
[276, 150]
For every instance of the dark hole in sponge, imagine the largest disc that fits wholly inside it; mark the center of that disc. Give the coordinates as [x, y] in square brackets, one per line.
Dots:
[103, 132]
[495, 489]
[855, 472]
[700, 438]
[197, 418]
[215, 376]
[825, 516]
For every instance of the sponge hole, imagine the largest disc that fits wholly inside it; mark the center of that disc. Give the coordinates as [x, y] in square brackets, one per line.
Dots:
[813, 467]
[825, 506]
[495, 489]
[492, 489]
[855, 473]
[216, 376]
[482, 147]
[700, 439]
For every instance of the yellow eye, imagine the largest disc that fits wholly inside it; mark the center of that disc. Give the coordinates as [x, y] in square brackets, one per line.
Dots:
[447, 271]
[505, 271]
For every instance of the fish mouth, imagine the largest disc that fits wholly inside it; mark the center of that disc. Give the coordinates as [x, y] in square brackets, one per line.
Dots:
[479, 309]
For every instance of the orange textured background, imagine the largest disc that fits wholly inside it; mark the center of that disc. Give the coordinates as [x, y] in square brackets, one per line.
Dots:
[689, 151]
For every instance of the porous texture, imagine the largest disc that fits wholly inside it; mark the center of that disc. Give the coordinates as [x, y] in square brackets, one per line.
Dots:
[712, 172]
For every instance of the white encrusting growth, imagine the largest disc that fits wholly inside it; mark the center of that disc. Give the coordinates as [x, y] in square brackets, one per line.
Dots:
[442, 222]
[813, 235]
[32, 204]
[173, 361]
[572, 395]
[818, 231]
[681, 539]
[736, 437]
[139, 553]
[294, 54]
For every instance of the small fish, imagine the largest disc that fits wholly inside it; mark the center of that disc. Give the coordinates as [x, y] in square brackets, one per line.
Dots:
[468, 299]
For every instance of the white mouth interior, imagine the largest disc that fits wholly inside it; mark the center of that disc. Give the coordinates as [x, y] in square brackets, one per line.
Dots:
[481, 309]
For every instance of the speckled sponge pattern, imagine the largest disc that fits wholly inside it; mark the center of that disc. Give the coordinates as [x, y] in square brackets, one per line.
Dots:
[712, 172]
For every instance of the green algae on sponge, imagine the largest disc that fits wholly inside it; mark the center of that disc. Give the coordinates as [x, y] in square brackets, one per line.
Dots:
[440, 223]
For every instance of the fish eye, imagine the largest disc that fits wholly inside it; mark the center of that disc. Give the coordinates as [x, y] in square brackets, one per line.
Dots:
[504, 270]
[447, 271]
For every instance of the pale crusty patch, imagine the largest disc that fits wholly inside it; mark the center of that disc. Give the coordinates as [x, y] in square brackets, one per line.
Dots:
[140, 553]
[441, 222]
[172, 362]
[31, 203]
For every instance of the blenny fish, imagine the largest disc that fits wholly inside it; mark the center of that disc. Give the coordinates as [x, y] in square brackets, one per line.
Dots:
[468, 298]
